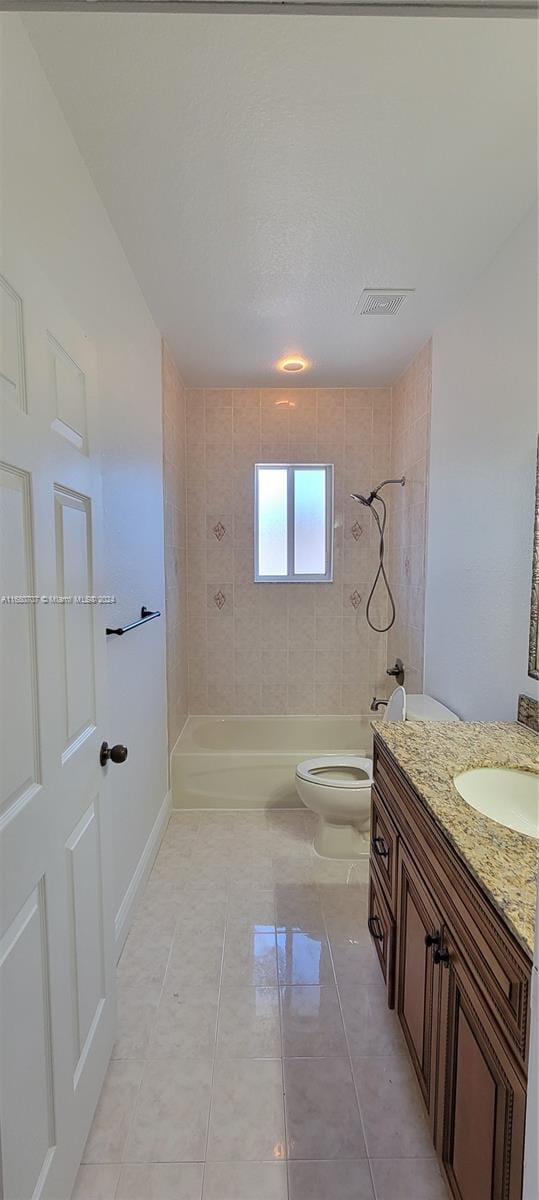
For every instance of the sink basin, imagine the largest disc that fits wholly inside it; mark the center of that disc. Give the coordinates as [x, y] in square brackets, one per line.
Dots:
[507, 796]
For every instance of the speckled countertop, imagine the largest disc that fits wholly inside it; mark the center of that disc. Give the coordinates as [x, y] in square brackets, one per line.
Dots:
[504, 863]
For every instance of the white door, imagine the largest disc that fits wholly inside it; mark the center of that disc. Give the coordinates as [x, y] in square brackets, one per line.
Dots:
[56, 943]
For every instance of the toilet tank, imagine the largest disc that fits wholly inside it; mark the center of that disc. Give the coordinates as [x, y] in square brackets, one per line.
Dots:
[425, 708]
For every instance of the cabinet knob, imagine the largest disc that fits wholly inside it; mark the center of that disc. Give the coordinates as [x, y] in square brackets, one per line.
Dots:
[117, 754]
[432, 939]
[379, 847]
[441, 956]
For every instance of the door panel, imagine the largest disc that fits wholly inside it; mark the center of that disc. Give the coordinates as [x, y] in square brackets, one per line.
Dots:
[12, 374]
[18, 713]
[74, 562]
[68, 396]
[86, 919]
[482, 1098]
[418, 977]
[56, 919]
[26, 1049]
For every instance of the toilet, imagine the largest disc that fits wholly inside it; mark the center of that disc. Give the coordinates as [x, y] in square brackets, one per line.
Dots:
[338, 786]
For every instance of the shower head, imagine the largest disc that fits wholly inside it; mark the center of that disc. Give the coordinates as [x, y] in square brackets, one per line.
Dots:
[367, 500]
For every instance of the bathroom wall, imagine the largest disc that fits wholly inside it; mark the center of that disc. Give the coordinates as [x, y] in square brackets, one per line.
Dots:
[482, 479]
[175, 500]
[411, 398]
[301, 648]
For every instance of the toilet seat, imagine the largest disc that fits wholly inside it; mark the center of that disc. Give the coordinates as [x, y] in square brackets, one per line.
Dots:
[337, 771]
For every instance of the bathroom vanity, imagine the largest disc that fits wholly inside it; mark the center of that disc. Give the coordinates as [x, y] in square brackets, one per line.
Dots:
[452, 915]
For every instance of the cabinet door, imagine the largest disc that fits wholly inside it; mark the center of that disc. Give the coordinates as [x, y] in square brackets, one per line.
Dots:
[482, 1098]
[382, 931]
[418, 976]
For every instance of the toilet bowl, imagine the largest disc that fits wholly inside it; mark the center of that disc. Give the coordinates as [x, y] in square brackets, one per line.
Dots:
[338, 786]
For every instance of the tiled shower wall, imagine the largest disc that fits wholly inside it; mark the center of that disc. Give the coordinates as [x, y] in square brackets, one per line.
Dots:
[174, 476]
[411, 396]
[282, 648]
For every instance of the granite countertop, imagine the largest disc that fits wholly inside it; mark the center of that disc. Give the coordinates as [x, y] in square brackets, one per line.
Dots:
[504, 863]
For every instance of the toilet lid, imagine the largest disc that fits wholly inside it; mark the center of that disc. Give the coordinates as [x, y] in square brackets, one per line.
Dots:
[339, 770]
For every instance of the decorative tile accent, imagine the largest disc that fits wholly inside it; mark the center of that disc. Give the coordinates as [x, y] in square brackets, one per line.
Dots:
[219, 530]
[355, 599]
[356, 531]
[219, 599]
[528, 712]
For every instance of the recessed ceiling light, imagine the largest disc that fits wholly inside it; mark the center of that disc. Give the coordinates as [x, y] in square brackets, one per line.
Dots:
[293, 365]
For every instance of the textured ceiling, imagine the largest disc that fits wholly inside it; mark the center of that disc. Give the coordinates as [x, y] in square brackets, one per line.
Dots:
[261, 170]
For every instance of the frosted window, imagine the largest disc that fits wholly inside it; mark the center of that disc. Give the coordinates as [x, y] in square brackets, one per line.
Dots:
[293, 523]
[310, 521]
[272, 521]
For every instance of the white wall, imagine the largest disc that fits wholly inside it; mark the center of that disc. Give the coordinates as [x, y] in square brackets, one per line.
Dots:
[482, 481]
[51, 203]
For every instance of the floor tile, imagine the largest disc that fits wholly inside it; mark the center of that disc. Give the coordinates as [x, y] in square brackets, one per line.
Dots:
[303, 957]
[371, 1028]
[96, 1182]
[250, 958]
[299, 905]
[252, 904]
[114, 1112]
[245, 1181]
[322, 1117]
[137, 1009]
[333, 1180]
[144, 959]
[409, 1179]
[171, 1117]
[311, 1023]
[292, 870]
[247, 1113]
[195, 962]
[185, 1024]
[247, 945]
[356, 964]
[249, 1023]
[391, 1108]
[161, 1181]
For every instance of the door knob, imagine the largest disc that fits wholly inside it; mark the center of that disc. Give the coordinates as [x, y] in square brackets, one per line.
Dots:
[117, 754]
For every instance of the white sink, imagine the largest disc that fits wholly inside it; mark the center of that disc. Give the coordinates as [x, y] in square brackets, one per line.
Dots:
[507, 796]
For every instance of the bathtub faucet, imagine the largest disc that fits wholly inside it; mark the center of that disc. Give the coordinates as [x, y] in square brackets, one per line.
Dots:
[376, 704]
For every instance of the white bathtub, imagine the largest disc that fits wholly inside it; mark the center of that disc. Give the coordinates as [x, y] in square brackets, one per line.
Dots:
[249, 762]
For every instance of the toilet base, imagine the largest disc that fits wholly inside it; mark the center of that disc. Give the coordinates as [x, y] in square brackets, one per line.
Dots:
[340, 840]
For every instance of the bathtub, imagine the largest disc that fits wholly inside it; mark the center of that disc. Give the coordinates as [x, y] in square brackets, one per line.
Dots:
[250, 762]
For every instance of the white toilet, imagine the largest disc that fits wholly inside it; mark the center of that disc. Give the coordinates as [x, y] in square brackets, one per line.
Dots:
[338, 786]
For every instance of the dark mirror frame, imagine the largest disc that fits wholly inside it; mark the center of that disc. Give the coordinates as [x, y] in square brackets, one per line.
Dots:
[533, 652]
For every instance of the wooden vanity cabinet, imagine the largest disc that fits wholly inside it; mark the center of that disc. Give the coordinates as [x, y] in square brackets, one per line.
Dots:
[460, 985]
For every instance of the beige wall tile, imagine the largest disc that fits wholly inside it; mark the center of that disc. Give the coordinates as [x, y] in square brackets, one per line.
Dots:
[296, 648]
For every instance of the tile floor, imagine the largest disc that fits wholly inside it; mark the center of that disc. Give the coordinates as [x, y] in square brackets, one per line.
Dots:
[255, 1058]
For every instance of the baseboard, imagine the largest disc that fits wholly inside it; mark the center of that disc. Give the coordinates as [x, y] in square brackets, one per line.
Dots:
[140, 875]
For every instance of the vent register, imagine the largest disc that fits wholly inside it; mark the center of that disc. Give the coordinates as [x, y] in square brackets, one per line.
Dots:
[382, 302]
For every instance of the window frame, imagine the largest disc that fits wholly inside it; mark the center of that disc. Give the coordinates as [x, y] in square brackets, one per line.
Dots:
[290, 468]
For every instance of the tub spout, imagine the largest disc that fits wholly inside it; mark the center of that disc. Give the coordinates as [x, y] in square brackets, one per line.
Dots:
[376, 704]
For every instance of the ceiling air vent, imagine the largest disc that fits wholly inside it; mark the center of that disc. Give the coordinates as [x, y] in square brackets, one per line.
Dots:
[382, 302]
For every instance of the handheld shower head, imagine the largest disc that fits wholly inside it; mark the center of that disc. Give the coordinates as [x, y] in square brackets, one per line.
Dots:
[367, 500]
[380, 516]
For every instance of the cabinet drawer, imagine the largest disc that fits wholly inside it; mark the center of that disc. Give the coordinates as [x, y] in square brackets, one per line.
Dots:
[384, 846]
[382, 931]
